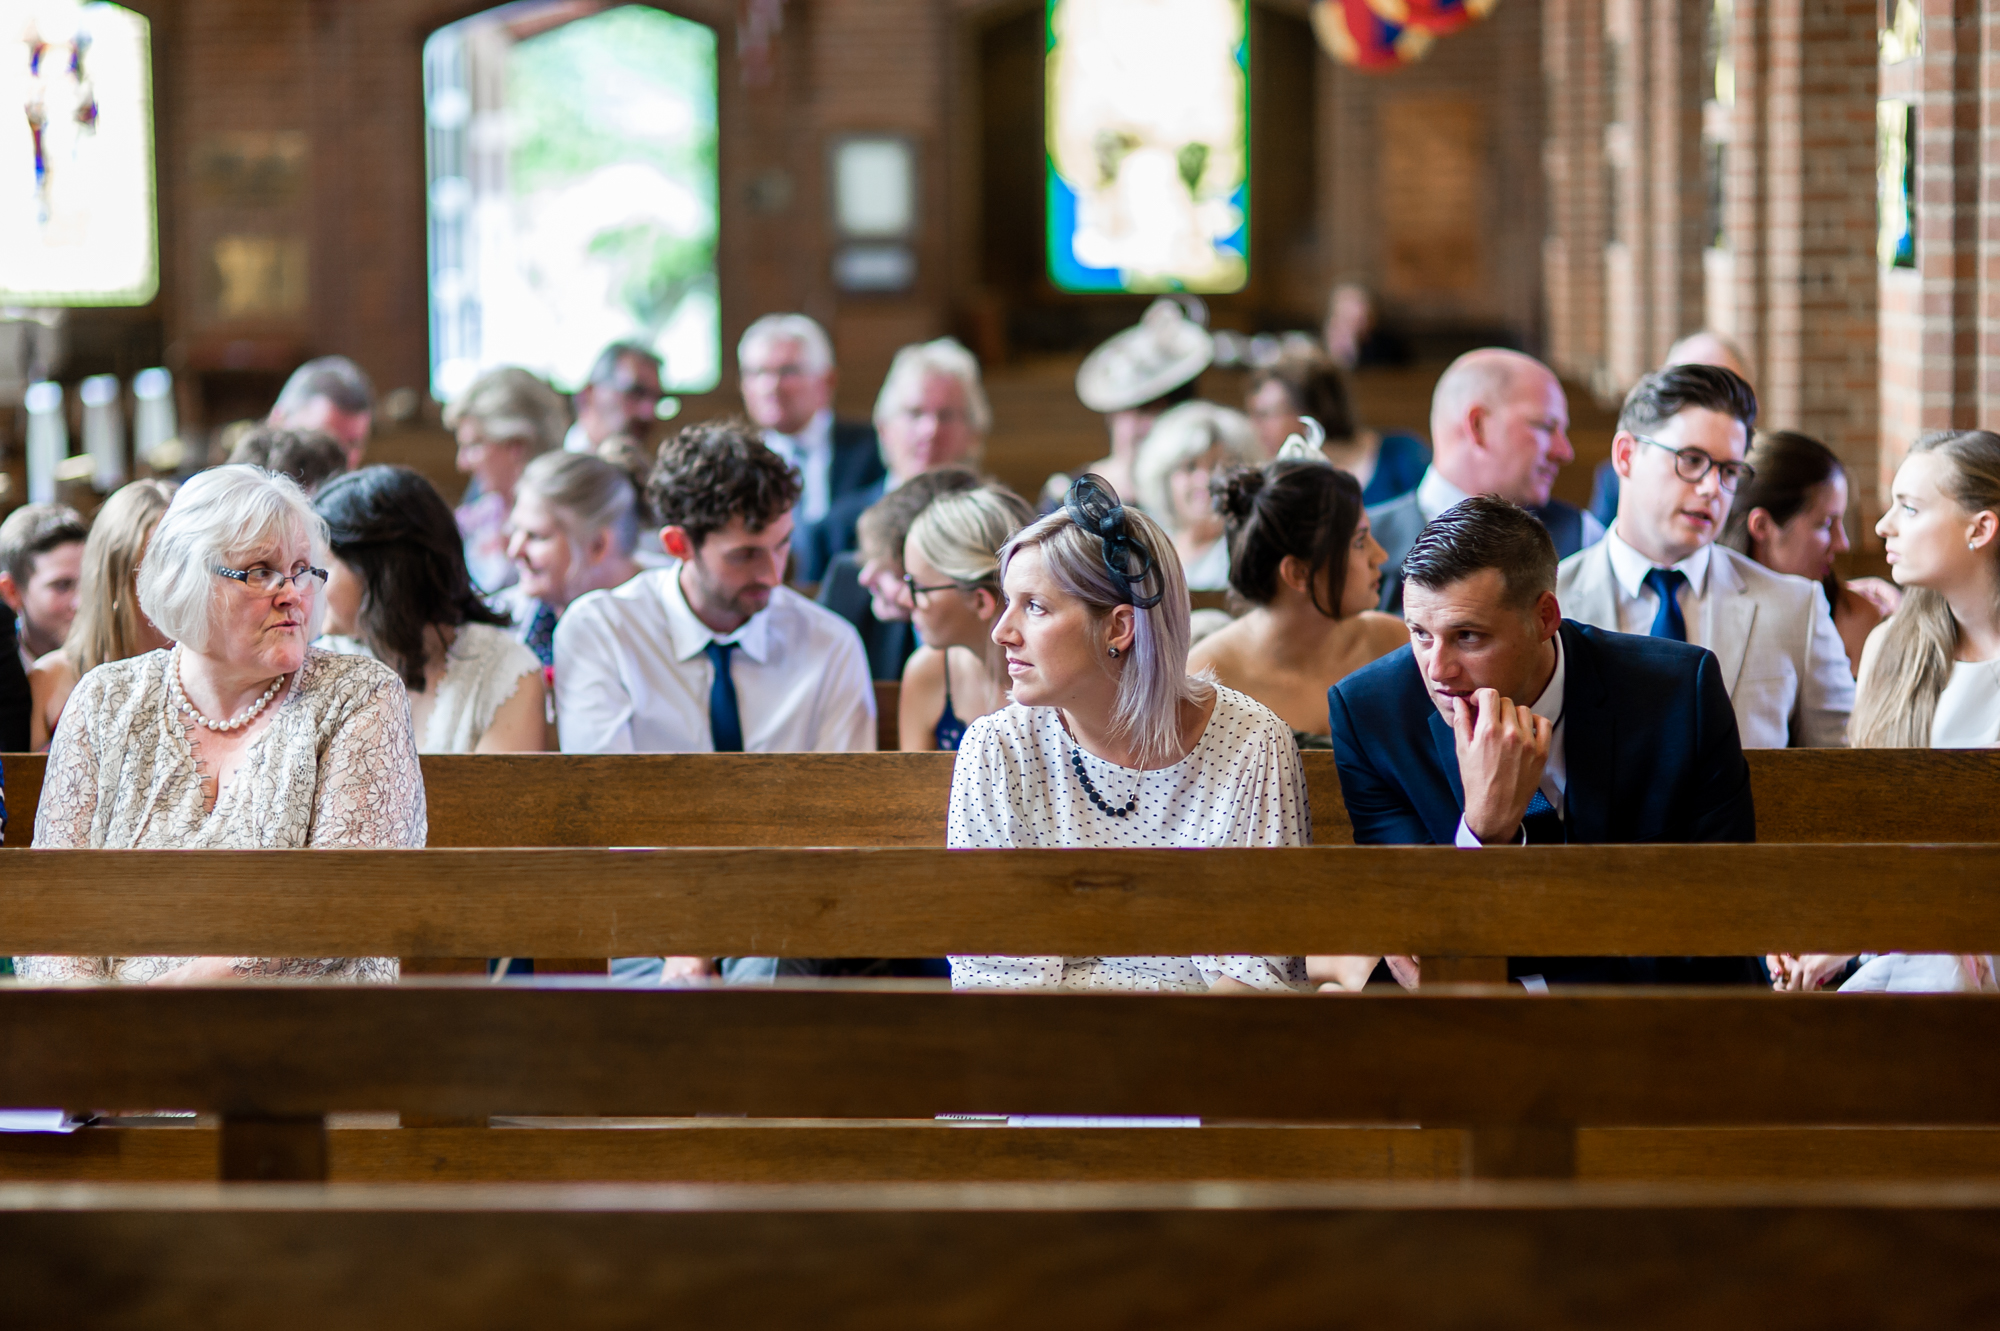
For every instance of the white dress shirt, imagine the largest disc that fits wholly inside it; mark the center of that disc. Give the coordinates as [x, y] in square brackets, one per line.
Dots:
[1555, 772]
[1772, 634]
[577, 439]
[1638, 603]
[811, 451]
[1435, 494]
[633, 674]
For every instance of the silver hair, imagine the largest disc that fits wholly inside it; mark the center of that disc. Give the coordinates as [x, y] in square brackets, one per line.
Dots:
[1180, 436]
[217, 517]
[1153, 682]
[946, 356]
[798, 328]
[587, 495]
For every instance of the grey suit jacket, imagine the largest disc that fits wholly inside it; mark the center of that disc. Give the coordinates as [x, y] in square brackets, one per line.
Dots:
[1781, 657]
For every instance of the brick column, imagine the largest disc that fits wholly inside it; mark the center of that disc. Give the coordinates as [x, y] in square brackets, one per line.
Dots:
[1573, 59]
[1803, 218]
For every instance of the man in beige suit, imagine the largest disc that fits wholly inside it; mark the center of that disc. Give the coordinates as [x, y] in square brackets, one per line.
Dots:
[1679, 453]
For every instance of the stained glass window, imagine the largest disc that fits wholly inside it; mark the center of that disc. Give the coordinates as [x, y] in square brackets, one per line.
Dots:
[572, 164]
[1148, 145]
[77, 221]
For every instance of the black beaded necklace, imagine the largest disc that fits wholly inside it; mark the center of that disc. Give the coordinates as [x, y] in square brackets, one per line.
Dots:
[1131, 805]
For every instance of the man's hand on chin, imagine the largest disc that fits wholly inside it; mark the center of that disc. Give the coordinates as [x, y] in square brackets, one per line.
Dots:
[1502, 749]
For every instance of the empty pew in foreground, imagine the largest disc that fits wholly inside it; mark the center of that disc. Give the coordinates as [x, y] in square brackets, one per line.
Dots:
[1715, 900]
[899, 799]
[1511, 1257]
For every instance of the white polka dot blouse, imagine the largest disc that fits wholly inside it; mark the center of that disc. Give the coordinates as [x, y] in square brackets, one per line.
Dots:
[1014, 786]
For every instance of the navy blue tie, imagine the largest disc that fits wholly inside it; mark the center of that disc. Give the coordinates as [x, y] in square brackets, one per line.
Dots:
[1667, 622]
[725, 723]
[1544, 825]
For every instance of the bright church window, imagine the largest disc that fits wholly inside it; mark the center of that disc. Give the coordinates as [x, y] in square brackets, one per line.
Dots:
[1148, 145]
[77, 223]
[572, 164]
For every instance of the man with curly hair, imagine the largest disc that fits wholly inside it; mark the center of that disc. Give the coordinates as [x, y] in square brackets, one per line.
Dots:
[713, 653]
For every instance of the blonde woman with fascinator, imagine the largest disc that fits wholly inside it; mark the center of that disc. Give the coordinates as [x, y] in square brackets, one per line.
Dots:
[1930, 673]
[109, 625]
[1109, 742]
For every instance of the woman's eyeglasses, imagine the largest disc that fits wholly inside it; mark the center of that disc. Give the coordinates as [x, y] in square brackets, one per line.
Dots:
[268, 581]
[910, 585]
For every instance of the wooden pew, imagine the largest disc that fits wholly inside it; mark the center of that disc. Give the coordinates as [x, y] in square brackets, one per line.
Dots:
[1512, 1257]
[1431, 901]
[1519, 1074]
[1803, 795]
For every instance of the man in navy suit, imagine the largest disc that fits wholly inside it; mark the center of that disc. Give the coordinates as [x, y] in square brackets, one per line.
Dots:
[786, 365]
[1621, 739]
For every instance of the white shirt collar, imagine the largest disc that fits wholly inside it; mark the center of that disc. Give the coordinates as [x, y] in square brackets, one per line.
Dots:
[1435, 494]
[690, 637]
[1630, 567]
[1550, 704]
[816, 437]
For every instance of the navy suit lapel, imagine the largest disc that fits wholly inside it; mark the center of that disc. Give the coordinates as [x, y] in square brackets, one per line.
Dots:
[1590, 740]
[1446, 744]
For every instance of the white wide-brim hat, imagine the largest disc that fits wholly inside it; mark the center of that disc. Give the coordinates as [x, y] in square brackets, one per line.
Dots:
[1163, 351]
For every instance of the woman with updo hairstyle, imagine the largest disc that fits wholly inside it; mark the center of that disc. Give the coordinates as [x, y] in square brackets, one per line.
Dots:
[1109, 742]
[399, 592]
[1301, 385]
[951, 586]
[573, 529]
[1792, 518]
[1301, 553]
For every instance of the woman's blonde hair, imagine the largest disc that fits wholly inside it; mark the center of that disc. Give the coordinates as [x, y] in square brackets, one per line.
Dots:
[961, 534]
[1898, 693]
[1179, 437]
[510, 405]
[1153, 683]
[588, 495]
[109, 623]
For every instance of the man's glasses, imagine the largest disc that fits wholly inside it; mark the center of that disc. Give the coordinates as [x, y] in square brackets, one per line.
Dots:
[1691, 464]
[268, 581]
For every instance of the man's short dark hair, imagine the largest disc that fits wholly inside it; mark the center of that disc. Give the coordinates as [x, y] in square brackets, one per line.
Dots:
[335, 378]
[710, 474]
[310, 457]
[605, 367]
[1665, 394]
[1481, 533]
[33, 530]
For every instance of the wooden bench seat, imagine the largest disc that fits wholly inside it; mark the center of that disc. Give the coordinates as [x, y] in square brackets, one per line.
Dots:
[1519, 1074]
[1070, 1257]
[899, 799]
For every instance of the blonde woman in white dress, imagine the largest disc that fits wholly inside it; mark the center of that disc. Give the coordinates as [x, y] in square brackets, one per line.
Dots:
[241, 736]
[1930, 673]
[1110, 743]
[399, 592]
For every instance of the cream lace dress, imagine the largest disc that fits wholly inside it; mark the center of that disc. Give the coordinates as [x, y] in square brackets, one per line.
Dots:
[482, 670]
[334, 769]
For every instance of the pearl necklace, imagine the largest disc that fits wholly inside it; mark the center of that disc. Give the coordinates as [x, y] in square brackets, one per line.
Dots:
[179, 701]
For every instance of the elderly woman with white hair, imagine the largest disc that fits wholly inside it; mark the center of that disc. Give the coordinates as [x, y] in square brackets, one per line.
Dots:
[1187, 446]
[241, 735]
[1110, 742]
[931, 413]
